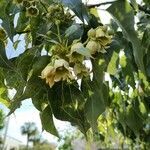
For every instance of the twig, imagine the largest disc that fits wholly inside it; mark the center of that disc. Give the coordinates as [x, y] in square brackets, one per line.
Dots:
[144, 9]
[141, 8]
[22, 32]
[43, 5]
[100, 4]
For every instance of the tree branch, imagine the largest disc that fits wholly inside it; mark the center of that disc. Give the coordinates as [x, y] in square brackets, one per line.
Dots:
[141, 8]
[100, 4]
[22, 32]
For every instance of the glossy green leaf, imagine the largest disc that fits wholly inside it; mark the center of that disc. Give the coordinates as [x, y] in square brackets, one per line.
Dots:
[127, 70]
[125, 19]
[67, 104]
[146, 49]
[4, 62]
[3, 4]
[36, 90]
[113, 64]
[84, 51]
[95, 104]
[47, 121]
[8, 25]
[147, 1]
[133, 120]
[74, 32]
[3, 90]
[97, 99]
[22, 23]
[40, 64]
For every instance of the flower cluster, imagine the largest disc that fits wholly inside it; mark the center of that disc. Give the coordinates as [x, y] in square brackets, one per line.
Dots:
[60, 70]
[55, 13]
[98, 39]
[29, 5]
[2, 34]
[68, 60]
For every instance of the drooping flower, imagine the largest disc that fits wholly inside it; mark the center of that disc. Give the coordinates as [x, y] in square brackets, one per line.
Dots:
[48, 73]
[60, 70]
[92, 33]
[98, 39]
[74, 55]
[32, 11]
[80, 70]
[93, 46]
[102, 36]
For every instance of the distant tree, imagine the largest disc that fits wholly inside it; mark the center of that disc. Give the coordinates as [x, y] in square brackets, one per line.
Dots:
[44, 146]
[30, 130]
[1, 120]
[35, 139]
[67, 139]
[1, 125]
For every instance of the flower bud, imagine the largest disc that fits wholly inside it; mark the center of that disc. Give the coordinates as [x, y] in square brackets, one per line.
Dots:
[32, 11]
[26, 4]
[100, 32]
[17, 1]
[93, 46]
[91, 33]
[76, 46]
[2, 34]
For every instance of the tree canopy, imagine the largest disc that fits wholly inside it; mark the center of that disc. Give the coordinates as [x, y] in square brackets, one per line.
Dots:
[60, 37]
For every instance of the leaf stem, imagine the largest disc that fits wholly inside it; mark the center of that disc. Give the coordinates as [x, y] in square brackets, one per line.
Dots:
[43, 5]
[58, 32]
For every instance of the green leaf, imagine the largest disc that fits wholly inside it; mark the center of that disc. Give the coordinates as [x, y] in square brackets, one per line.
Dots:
[143, 109]
[113, 64]
[10, 10]
[47, 121]
[97, 99]
[3, 4]
[34, 89]
[48, 1]
[40, 64]
[134, 4]
[4, 62]
[22, 22]
[84, 51]
[127, 70]
[67, 104]
[95, 104]
[35, 23]
[25, 61]
[147, 2]
[134, 122]
[3, 95]
[146, 49]
[74, 32]
[3, 90]
[125, 19]
[78, 8]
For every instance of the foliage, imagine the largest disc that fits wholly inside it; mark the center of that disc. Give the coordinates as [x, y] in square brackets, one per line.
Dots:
[2, 124]
[30, 130]
[1, 120]
[34, 137]
[52, 69]
[65, 141]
